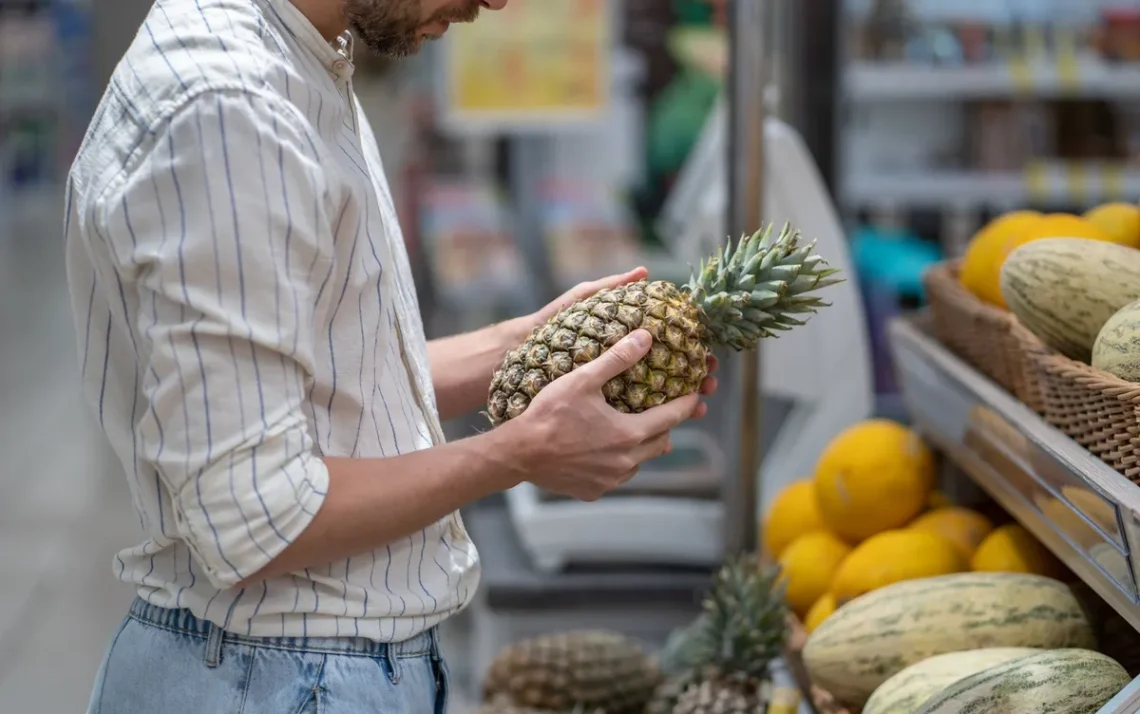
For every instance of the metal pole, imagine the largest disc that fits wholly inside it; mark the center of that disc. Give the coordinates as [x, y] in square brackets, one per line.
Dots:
[747, 79]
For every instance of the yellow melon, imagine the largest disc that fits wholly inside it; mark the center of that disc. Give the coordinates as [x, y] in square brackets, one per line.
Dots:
[1120, 221]
[964, 528]
[980, 271]
[1067, 225]
[819, 612]
[793, 513]
[807, 566]
[874, 476]
[1012, 549]
[892, 557]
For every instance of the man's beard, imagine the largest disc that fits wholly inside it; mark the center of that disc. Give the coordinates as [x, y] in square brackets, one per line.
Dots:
[392, 28]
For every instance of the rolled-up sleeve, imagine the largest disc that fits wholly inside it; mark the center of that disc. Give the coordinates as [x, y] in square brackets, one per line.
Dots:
[221, 237]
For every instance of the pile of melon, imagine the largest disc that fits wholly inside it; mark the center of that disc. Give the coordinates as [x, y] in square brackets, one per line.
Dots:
[984, 643]
[870, 517]
[1073, 281]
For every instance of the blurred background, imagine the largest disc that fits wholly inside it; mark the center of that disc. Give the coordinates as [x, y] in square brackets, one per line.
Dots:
[533, 150]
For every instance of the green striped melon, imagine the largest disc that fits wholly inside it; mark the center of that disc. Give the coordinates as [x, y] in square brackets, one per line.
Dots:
[875, 636]
[907, 691]
[1117, 346]
[1064, 290]
[1066, 681]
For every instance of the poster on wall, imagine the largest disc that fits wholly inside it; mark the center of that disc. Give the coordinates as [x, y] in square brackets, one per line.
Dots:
[530, 66]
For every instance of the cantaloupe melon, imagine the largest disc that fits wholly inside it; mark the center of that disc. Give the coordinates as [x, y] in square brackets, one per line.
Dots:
[1117, 346]
[872, 638]
[1064, 681]
[908, 690]
[1064, 290]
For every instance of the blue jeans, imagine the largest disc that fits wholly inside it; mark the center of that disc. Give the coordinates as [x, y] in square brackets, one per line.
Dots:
[169, 662]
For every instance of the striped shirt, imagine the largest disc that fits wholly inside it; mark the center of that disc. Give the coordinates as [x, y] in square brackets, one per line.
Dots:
[244, 305]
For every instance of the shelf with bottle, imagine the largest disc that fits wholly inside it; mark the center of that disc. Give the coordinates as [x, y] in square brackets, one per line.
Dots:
[1039, 183]
[899, 50]
[1079, 77]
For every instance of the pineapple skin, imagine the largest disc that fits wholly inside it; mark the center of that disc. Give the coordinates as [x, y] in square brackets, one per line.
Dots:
[587, 670]
[675, 366]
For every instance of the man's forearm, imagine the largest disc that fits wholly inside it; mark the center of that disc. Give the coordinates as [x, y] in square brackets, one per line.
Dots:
[371, 502]
[461, 366]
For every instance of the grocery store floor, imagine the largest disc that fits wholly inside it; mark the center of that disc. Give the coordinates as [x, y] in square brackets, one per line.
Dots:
[64, 505]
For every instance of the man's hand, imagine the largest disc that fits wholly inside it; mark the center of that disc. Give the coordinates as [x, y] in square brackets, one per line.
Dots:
[575, 444]
[582, 291]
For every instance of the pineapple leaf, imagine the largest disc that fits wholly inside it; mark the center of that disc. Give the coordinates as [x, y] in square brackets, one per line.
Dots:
[771, 271]
[743, 627]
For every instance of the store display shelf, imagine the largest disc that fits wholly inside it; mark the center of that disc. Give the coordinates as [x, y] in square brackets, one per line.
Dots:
[867, 81]
[1081, 509]
[1040, 183]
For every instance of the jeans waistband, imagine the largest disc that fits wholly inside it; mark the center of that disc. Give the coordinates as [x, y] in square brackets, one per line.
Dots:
[182, 620]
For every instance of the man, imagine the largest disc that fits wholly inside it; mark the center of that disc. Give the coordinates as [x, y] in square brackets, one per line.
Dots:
[251, 343]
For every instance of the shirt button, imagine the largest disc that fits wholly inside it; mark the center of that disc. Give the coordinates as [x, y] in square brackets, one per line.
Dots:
[340, 65]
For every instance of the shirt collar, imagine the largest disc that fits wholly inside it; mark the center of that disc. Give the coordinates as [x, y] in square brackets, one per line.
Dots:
[332, 55]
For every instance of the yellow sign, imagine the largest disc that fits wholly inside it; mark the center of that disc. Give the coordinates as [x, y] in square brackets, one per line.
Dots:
[531, 63]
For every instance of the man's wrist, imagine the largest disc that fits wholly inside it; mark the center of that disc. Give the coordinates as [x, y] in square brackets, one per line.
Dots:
[513, 452]
[512, 333]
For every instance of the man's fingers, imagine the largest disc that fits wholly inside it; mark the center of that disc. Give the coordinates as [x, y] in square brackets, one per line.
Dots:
[655, 446]
[663, 418]
[616, 359]
[585, 290]
[708, 386]
[713, 363]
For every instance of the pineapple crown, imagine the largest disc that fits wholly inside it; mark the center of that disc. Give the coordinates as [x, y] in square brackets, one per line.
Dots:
[743, 626]
[755, 290]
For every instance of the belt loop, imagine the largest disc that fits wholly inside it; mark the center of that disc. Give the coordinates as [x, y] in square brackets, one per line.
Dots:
[214, 646]
[436, 645]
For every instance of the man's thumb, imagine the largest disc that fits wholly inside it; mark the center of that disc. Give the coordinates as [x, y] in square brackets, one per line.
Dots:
[620, 357]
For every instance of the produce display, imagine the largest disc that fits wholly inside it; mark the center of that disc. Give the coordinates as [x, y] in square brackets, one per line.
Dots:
[888, 597]
[869, 517]
[873, 637]
[765, 285]
[991, 246]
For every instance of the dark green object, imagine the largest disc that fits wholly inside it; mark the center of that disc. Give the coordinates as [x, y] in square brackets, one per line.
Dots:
[676, 118]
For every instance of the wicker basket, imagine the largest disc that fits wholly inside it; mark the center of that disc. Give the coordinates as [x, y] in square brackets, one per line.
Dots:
[1097, 410]
[822, 701]
[981, 334]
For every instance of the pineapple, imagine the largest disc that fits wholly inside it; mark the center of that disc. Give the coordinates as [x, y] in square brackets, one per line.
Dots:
[584, 670]
[503, 705]
[742, 631]
[738, 297]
